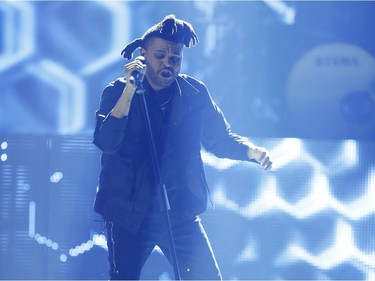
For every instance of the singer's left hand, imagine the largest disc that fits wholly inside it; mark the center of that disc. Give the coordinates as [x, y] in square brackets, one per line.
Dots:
[260, 155]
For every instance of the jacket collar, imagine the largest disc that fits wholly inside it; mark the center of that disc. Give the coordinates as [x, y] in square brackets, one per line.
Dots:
[184, 86]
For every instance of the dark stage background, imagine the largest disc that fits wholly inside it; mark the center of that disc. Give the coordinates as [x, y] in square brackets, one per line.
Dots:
[297, 77]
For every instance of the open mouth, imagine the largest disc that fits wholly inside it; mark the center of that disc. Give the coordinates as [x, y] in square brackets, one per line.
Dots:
[166, 73]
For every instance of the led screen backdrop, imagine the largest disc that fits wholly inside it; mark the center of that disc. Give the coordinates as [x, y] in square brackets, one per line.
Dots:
[295, 76]
[277, 68]
[311, 218]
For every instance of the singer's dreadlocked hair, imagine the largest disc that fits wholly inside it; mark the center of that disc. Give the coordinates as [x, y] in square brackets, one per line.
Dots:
[171, 29]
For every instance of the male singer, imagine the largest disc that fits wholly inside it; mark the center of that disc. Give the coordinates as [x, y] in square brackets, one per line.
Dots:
[183, 117]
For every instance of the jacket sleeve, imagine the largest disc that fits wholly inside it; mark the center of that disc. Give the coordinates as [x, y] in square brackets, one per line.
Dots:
[217, 136]
[109, 130]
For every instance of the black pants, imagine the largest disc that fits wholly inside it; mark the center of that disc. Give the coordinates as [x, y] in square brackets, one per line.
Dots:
[128, 252]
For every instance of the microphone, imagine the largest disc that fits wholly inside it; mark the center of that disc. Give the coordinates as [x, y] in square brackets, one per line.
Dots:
[136, 76]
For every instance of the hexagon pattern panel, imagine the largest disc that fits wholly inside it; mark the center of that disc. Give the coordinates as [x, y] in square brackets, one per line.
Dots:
[311, 218]
[272, 66]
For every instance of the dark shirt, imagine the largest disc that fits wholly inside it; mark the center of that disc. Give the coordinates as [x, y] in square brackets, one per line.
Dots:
[127, 183]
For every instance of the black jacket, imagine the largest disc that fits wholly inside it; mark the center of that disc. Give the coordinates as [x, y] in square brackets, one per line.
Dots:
[127, 181]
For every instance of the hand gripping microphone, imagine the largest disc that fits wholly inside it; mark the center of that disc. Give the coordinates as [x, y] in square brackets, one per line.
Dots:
[136, 76]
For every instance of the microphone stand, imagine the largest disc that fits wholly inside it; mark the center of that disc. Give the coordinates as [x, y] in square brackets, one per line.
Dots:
[162, 191]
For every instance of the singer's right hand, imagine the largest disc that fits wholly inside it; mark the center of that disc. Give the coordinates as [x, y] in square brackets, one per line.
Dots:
[122, 107]
[135, 66]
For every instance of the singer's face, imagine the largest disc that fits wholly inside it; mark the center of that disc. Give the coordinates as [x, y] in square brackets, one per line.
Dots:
[163, 60]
